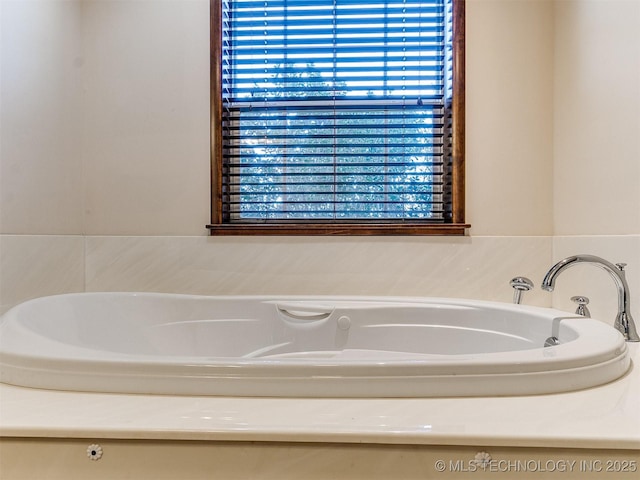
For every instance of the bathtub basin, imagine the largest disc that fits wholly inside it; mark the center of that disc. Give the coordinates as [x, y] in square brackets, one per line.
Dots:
[302, 346]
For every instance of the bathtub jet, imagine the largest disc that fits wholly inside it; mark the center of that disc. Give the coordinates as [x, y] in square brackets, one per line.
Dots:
[303, 346]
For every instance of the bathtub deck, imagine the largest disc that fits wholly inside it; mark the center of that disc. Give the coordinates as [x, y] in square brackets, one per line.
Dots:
[602, 417]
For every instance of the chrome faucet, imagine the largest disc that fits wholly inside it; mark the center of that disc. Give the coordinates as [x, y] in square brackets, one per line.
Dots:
[520, 285]
[624, 322]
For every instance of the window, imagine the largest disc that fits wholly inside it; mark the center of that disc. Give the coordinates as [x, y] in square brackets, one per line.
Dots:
[337, 116]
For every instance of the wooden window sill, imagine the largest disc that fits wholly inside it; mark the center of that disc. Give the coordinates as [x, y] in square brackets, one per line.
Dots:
[457, 229]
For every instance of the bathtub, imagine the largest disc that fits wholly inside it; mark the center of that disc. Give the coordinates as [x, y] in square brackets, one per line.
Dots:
[302, 346]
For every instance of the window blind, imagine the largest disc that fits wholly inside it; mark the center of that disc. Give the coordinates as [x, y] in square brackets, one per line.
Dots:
[336, 110]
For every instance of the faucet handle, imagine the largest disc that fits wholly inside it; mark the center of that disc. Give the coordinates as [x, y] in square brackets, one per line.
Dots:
[621, 266]
[520, 284]
[582, 305]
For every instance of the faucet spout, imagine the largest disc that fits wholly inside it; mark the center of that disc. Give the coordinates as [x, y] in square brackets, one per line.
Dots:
[624, 322]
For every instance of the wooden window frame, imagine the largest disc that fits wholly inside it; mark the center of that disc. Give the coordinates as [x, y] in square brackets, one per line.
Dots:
[456, 227]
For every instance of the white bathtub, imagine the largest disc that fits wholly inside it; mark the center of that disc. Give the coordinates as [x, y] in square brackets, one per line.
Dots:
[306, 347]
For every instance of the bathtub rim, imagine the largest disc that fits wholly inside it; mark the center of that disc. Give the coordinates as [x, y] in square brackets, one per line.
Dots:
[257, 378]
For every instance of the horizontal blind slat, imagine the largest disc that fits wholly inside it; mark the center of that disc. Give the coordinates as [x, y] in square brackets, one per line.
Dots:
[335, 109]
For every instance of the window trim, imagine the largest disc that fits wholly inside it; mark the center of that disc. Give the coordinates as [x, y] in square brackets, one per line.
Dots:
[456, 227]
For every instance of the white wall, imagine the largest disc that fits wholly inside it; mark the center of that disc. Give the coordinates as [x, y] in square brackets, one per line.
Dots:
[138, 192]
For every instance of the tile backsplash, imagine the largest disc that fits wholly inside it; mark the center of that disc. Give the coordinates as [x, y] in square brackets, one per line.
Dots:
[471, 267]
[458, 267]
[468, 267]
[39, 265]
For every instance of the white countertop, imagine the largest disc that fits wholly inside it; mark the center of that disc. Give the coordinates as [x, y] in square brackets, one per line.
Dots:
[602, 417]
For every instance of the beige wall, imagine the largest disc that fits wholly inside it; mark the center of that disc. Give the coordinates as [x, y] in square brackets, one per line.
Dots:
[510, 117]
[146, 134]
[40, 117]
[597, 118]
